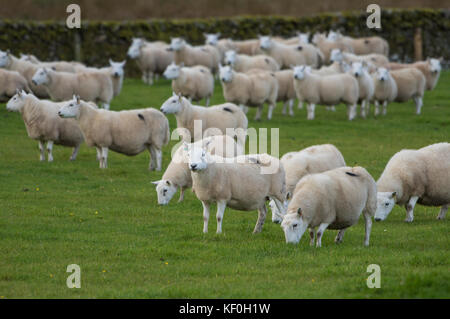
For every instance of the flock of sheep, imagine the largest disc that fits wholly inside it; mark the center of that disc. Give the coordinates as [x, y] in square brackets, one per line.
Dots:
[311, 188]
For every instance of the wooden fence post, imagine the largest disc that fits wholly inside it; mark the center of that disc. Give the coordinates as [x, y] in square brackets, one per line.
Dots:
[418, 54]
[77, 46]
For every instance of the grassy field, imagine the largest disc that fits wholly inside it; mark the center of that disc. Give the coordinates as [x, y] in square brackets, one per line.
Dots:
[108, 221]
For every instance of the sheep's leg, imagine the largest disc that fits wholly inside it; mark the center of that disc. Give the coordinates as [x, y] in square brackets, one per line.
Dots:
[243, 108]
[443, 211]
[144, 77]
[367, 107]
[207, 100]
[385, 107]
[42, 151]
[99, 154]
[258, 113]
[283, 111]
[291, 107]
[181, 195]
[205, 216]
[331, 108]
[50, 151]
[312, 236]
[363, 109]
[410, 208]
[300, 105]
[150, 78]
[158, 159]
[104, 157]
[368, 220]
[377, 108]
[419, 103]
[221, 205]
[262, 212]
[75, 152]
[152, 164]
[270, 111]
[320, 231]
[340, 236]
[311, 109]
[156, 76]
[351, 112]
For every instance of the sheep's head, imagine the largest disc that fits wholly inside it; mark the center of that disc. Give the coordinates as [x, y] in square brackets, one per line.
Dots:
[41, 76]
[292, 225]
[176, 44]
[385, 204]
[172, 104]
[165, 190]
[357, 69]
[230, 57]
[265, 42]
[333, 36]
[117, 68]
[303, 37]
[318, 37]
[134, 51]
[225, 73]
[16, 103]
[434, 65]
[197, 156]
[382, 74]
[300, 71]
[4, 58]
[172, 71]
[70, 109]
[336, 55]
[211, 38]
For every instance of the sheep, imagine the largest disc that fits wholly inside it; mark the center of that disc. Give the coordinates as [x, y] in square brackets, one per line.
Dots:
[329, 90]
[431, 69]
[128, 132]
[385, 89]
[207, 55]
[222, 45]
[195, 82]
[91, 86]
[59, 66]
[372, 60]
[226, 118]
[325, 46]
[215, 179]
[26, 69]
[313, 159]
[286, 91]
[44, 125]
[177, 175]
[365, 84]
[410, 85]
[362, 46]
[152, 58]
[244, 63]
[333, 199]
[248, 47]
[250, 89]
[415, 176]
[10, 82]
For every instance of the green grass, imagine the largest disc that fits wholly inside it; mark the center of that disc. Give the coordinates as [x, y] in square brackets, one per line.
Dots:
[108, 221]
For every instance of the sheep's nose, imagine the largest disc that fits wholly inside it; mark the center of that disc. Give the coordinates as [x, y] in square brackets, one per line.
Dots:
[377, 219]
[193, 166]
[59, 113]
[34, 82]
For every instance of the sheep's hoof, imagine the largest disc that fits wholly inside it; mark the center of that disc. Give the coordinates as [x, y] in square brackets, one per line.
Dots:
[408, 220]
[440, 218]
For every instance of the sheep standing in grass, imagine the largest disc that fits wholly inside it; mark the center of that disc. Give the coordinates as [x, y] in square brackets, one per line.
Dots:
[178, 176]
[325, 46]
[372, 60]
[362, 46]
[10, 82]
[311, 160]
[94, 86]
[244, 63]
[126, 132]
[431, 69]
[44, 125]
[410, 85]
[385, 89]
[115, 70]
[286, 91]
[331, 200]
[220, 119]
[250, 89]
[195, 82]
[329, 90]
[415, 176]
[219, 180]
[365, 84]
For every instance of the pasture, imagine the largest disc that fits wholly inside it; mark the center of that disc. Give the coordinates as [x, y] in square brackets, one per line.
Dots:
[109, 223]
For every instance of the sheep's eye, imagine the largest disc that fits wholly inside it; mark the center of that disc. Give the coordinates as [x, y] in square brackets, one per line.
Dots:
[173, 101]
[164, 191]
[386, 204]
[295, 225]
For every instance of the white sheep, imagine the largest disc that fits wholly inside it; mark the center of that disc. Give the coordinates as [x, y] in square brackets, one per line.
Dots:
[372, 60]
[360, 46]
[415, 176]
[248, 47]
[222, 45]
[431, 69]
[44, 125]
[244, 63]
[366, 85]
[94, 86]
[215, 179]
[329, 90]
[178, 176]
[410, 85]
[222, 119]
[286, 91]
[250, 89]
[385, 89]
[195, 82]
[313, 159]
[326, 46]
[127, 132]
[10, 82]
[333, 199]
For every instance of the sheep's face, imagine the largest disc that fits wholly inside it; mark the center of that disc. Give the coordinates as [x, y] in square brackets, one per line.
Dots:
[265, 42]
[117, 68]
[303, 37]
[16, 103]
[357, 69]
[71, 108]
[300, 72]
[177, 44]
[292, 224]
[212, 38]
[165, 190]
[277, 217]
[134, 51]
[197, 157]
[318, 37]
[172, 71]
[385, 204]
[226, 73]
[40, 77]
[172, 105]
[4, 59]
[332, 36]
[230, 57]
[382, 74]
[435, 65]
[336, 55]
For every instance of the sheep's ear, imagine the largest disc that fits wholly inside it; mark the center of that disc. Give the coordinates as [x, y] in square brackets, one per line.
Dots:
[174, 94]
[206, 143]
[155, 182]
[179, 97]
[299, 211]
[122, 64]
[22, 92]
[288, 195]
[111, 62]
[394, 195]
[18, 92]
[77, 99]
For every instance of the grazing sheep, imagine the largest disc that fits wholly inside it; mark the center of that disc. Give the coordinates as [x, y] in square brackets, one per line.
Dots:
[152, 58]
[10, 82]
[311, 160]
[385, 89]
[333, 199]
[219, 180]
[286, 91]
[26, 69]
[365, 84]
[410, 85]
[244, 63]
[127, 132]
[95, 86]
[195, 82]
[226, 118]
[248, 47]
[325, 46]
[207, 55]
[372, 60]
[431, 69]
[329, 90]
[250, 89]
[362, 46]
[44, 125]
[222, 45]
[415, 176]
[178, 176]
